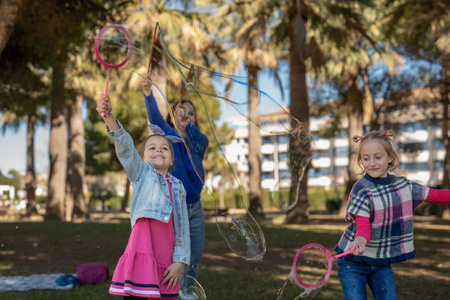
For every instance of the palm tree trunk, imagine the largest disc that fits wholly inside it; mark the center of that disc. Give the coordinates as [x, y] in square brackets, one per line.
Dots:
[367, 101]
[9, 14]
[126, 197]
[68, 200]
[254, 147]
[444, 210]
[78, 160]
[30, 177]
[57, 148]
[299, 109]
[355, 127]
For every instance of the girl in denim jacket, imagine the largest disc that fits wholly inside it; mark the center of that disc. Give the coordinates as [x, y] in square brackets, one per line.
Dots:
[159, 244]
[188, 167]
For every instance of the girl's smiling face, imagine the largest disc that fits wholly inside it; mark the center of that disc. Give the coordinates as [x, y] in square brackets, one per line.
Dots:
[158, 152]
[375, 159]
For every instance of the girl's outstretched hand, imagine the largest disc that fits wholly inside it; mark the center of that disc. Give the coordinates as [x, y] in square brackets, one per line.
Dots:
[104, 106]
[359, 244]
[146, 85]
[180, 117]
[173, 275]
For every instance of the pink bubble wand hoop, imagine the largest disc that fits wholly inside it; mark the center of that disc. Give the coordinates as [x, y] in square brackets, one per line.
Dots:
[324, 251]
[108, 55]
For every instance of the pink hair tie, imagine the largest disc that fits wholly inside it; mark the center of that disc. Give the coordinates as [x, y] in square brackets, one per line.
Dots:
[361, 138]
[385, 133]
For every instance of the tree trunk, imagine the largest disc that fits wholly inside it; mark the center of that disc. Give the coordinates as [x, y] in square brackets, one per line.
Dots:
[68, 200]
[30, 177]
[299, 109]
[78, 160]
[9, 14]
[254, 146]
[367, 100]
[444, 210]
[57, 148]
[355, 127]
[126, 197]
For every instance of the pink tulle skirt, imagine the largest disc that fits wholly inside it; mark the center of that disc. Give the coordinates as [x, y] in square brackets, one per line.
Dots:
[148, 254]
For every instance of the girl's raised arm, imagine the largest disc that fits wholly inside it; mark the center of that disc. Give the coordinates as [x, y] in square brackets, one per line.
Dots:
[104, 107]
[153, 113]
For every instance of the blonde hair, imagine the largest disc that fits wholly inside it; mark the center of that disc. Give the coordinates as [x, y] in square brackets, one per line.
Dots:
[385, 139]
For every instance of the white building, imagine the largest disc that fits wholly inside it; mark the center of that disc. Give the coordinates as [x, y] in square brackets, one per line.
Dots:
[418, 142]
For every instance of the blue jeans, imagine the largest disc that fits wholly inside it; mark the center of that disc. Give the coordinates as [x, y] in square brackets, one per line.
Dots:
[355, 276]
[197, 234]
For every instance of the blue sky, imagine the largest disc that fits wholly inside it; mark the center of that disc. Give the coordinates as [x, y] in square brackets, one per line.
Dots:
[13, 150]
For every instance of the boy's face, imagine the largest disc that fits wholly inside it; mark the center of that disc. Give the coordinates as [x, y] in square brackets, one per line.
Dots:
[158, 153]
[375, 159]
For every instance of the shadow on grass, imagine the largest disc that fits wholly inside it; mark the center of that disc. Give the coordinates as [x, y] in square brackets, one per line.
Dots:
[51, 247]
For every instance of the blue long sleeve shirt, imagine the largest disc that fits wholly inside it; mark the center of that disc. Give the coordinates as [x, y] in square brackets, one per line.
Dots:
[183, 169]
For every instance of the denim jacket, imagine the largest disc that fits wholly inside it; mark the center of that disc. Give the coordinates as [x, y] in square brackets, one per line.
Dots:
[151, 197]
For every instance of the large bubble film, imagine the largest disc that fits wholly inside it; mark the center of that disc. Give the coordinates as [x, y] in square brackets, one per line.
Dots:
[208, 90]
[191, 289]
[313, 267]
[292, 290]
[240, 230]
[113, 46]
[310, 270]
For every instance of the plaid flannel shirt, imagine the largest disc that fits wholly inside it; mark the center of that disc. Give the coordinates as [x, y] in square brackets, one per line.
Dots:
[389, 203]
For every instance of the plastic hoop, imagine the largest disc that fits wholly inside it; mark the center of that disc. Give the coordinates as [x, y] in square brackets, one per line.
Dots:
[330, 266]
[99, 34]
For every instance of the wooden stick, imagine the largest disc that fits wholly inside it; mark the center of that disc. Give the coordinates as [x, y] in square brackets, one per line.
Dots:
[184, 86]
[151, 50]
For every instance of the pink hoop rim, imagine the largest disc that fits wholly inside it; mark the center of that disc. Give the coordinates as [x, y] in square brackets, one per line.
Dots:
[125, 32]
[330, 266]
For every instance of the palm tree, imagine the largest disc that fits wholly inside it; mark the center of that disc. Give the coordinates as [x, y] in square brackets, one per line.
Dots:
[422, 28]
[351, 39]
[9, 14]
[245, 25]
[337, 29]
[183, 31]
[22, 100]
[297, 13]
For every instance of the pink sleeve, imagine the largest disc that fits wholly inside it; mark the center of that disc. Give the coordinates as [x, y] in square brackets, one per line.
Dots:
[438, 196]
[362, 227]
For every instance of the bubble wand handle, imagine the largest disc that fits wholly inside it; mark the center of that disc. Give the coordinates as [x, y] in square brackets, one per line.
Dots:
[106, 88]
[344, 254]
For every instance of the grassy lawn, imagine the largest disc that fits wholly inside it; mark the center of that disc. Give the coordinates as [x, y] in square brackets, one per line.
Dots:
[51, 247]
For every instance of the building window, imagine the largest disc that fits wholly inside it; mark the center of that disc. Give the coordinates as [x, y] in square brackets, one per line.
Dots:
[343, 133]
[411, 147]
[340, 171]
[341, 151]
[283, 139]
[267, 140]
[318, 172]
[414, 166]
[438, 144]
[267, 175]
[285, 174]
[283, 156]
[439, 165]
[267, 158]
[412, 127]
[319, 154]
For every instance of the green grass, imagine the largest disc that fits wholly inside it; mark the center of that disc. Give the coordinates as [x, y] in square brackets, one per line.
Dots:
[51, 247]
[317, 199]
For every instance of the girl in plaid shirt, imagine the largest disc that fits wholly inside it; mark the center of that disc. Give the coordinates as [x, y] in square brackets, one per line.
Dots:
[380, 209]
